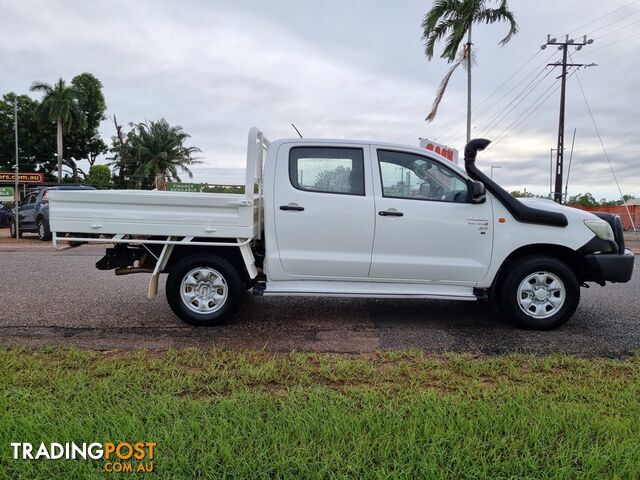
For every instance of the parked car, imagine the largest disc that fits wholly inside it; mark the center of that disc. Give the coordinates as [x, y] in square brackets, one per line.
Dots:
[5, 215]
[33, 212]
[344, 218]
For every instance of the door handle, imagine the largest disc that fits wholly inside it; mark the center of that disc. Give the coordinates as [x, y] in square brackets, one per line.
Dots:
[390, 213]
[293, 207]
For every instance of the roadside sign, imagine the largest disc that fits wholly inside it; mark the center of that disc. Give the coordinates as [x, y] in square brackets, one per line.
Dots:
[6, 194]
[23, 177]
[184, 187]
[449, 153]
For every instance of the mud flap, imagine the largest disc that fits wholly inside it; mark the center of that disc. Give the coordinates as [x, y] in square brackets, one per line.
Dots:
[249, 260]
[152, 290]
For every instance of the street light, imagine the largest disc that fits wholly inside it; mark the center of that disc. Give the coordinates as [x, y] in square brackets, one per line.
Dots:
[492, 167]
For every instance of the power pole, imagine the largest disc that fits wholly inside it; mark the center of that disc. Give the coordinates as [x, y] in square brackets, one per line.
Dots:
[564, 47]
[17, 169]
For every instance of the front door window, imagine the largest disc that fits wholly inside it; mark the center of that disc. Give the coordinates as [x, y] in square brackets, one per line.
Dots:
[405, 175]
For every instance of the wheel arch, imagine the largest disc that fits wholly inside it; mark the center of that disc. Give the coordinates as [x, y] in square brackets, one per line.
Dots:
[231, 253]
[572, 258]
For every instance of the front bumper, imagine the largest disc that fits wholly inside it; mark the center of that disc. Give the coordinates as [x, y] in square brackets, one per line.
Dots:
[609, 267]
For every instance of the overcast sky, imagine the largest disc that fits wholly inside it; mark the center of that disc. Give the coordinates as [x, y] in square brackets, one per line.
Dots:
[341, 69]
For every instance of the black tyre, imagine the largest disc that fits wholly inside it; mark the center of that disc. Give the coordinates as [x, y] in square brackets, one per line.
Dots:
[204, 290]
[44, 233]
[538, 292]
[12, 229]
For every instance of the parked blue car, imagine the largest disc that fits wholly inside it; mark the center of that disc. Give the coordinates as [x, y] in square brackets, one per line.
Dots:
[5, 215]
[33, 213]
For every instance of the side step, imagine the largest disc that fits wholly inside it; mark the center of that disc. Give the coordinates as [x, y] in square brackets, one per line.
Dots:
[314, 288]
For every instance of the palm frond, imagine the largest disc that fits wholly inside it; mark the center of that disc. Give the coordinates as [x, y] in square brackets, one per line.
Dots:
[435, 35]
[442, 9]
[452, 46]
[40, 87]
[443, 87]
[500, 14]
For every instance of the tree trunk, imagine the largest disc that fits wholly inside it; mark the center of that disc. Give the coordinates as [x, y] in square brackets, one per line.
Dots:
[59, 144]
[469, 85]
[74, 167]
[161, 180]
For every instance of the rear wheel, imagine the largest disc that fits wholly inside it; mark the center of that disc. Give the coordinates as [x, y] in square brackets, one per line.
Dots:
[12, 229]
[538, 292]
[204, 290]
[44, 233]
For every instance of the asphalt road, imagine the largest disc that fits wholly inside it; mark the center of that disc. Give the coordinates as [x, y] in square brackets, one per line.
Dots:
[53, 297]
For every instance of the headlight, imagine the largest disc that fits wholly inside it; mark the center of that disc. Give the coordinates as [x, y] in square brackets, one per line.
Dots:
[601, 228]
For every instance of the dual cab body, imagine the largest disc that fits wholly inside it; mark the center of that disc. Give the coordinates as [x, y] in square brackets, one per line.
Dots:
[350, 218]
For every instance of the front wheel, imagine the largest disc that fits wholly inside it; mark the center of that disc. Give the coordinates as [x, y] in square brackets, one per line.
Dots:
[204, 290]
[539, 292]
[44, 233]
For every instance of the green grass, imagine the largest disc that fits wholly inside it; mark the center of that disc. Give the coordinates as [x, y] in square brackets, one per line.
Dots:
[221, 414]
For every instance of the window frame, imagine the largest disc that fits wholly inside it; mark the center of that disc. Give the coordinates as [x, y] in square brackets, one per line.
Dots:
[33, 196]
[456, 174]
[293, 172]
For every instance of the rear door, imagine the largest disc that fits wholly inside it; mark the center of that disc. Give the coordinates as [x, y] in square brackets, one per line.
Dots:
[426, 227]
[324, 210]
[27, 211]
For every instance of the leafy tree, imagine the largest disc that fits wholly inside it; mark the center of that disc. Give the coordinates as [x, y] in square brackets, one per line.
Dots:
[583, 200]
[84, 142]
[100, 177]
[36, 141]
[336, 180]
[519, 194]
[153, 153]
[614, 203]
[60, 105]
[455, 18]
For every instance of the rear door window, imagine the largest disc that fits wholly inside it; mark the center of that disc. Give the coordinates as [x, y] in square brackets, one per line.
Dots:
[327, 170]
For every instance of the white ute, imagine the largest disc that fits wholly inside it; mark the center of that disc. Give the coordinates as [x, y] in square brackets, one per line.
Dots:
[342, 218]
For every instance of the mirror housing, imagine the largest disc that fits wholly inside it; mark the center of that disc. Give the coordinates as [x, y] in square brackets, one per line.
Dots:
[477, 192]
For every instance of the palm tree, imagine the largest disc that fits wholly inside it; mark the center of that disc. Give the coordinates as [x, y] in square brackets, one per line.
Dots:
[60, 105]
[157, 150]
[455, 19]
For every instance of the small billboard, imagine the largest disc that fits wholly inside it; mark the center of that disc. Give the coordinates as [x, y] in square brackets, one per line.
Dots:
[449, 153]
[184, 187]
[6, 194]
[23, 177]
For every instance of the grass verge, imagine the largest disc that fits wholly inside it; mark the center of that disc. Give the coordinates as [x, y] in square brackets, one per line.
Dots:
[221, 414]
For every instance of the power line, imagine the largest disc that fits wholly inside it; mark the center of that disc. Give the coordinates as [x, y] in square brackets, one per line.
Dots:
[613, 23]
[606, 155]
[557, 87]
[581, 27]
[609, 44]
[566, 185]
[520, 120]
[617, 30]
[455, 127]
[455, 123]
[527, 112]
[504, 114]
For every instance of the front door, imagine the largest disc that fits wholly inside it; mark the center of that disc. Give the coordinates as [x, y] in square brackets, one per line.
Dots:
[426, 227]
[324, 210]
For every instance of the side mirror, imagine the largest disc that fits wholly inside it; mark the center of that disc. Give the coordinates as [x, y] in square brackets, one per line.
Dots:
[477, 192]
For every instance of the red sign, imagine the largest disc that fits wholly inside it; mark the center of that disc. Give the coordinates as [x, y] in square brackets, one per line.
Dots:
[26, 177]
[447, 152]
